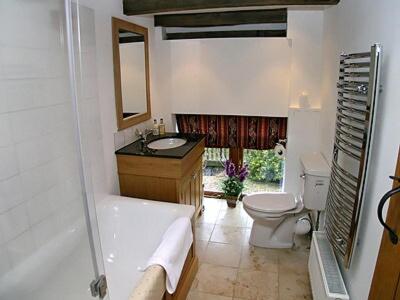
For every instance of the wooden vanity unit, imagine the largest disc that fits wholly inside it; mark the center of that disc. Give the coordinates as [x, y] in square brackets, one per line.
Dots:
[172, 175]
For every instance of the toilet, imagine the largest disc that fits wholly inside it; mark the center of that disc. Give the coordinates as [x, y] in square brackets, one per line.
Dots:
[278, 216]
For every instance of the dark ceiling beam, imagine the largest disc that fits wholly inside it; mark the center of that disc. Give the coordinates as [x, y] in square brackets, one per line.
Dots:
[226, 34]
[222, 18]
[140, 7]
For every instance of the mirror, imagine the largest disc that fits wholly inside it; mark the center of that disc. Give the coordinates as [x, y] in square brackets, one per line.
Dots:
[131, 73]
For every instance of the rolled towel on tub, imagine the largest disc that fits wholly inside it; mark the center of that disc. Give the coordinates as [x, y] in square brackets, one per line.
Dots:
[172, 251]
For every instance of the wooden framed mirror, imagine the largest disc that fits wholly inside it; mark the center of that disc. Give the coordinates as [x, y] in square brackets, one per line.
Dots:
[131, 73]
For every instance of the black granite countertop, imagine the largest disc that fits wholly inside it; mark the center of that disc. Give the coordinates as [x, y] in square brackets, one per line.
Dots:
[136, 148]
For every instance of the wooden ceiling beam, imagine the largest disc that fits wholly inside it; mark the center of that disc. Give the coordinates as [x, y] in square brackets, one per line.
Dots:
[226, 34]
[222, 18]
[140, 7]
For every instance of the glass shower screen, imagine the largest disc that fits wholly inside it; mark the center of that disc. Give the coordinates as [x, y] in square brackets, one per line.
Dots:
[47, 215]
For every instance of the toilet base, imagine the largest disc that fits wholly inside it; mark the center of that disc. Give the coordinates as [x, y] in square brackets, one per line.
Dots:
[266, 236]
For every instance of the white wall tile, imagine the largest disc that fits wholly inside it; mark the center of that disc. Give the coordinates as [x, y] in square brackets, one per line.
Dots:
[21, 247]
[22, 94]
[129, 135]
[5, 130]
[5, 263]
[71, 213]
[44, 231]
[11, 193]
[119, 140]
[38, 208]
[14, 222]
[23, 63]
[30, 124]
[40, 179]
[8, 163]
[34, 152]
[40, 26]
[40, 188]
[3, 102]
[2, 237]
[55, 91]
[58, 197]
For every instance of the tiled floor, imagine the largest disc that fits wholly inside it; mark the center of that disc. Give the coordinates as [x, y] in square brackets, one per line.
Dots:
[230, 268]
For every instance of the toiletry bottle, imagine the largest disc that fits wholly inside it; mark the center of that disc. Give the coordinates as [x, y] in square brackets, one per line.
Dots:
[161, 127]
[155, 128]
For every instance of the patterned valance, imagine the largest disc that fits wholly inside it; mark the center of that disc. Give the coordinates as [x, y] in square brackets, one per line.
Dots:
[235, 131]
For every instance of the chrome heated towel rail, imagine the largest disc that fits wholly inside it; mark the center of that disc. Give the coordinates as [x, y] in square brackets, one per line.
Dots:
[358, 89]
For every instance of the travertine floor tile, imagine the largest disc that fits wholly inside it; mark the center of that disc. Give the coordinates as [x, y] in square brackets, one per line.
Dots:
[260, 259]
[293, 286]
[216, 280]
[203, 231]
[252, 284]
[232, 218]
[223, 255]
[231, 267]
[201, 247]
[228, 235]
[193, 295]
[296, 261]
[209, 218]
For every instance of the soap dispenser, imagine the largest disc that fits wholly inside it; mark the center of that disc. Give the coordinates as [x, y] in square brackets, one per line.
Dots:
[161, 127]
[156, 130]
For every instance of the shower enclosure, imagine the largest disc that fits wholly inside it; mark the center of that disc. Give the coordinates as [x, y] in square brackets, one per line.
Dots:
[50, 163]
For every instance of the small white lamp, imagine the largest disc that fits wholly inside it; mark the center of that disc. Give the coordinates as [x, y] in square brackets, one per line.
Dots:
[303, 100]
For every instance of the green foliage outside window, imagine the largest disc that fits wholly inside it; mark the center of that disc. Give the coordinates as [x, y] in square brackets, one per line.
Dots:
[264, 165]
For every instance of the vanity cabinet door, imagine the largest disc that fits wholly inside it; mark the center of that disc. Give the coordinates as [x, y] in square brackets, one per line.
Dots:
[186, 191]
[191, 187]
[197, 187]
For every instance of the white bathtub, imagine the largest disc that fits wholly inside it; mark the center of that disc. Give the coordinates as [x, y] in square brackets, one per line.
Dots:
[130, 231]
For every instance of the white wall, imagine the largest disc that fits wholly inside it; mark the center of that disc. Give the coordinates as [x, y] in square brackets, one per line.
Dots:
[305, 29]
[104, 10]
[249, 76]
[303, 138]
[233, 76]
[133, 77]
[246, 76]
[353, 26]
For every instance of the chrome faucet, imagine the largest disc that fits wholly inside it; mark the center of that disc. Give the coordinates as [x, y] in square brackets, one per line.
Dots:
[143, 135]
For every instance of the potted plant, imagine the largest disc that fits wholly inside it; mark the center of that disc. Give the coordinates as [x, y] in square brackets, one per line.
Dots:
[233, 184]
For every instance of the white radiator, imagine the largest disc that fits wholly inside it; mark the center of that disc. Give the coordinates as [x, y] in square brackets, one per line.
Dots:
[325, 277]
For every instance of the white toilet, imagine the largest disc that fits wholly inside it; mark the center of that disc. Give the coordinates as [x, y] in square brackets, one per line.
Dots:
[276, 215]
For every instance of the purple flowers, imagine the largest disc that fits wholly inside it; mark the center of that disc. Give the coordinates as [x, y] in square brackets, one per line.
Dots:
[235, 172]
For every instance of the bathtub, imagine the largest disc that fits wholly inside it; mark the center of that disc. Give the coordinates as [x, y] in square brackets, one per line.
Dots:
[130, 232]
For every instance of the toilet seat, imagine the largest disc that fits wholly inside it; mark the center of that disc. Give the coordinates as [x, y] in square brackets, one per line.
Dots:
[271, 203]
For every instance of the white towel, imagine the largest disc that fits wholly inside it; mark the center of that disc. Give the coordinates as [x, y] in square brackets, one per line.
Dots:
[172, 251]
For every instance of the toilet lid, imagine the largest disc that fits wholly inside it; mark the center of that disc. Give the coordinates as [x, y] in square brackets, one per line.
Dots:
[270, 202]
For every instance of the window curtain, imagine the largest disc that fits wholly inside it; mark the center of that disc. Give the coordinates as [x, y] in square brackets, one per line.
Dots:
[246, 132]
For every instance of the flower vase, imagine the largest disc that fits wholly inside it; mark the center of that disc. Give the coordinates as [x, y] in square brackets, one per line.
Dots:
[231, 201]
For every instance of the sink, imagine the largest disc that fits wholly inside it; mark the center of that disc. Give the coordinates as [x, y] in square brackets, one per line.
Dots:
[166, 143]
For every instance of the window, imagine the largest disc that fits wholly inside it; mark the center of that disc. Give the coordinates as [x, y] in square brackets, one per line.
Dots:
[214, 171]
[266, 169]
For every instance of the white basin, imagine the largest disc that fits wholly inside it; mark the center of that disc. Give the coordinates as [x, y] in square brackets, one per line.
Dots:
[167, 143]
